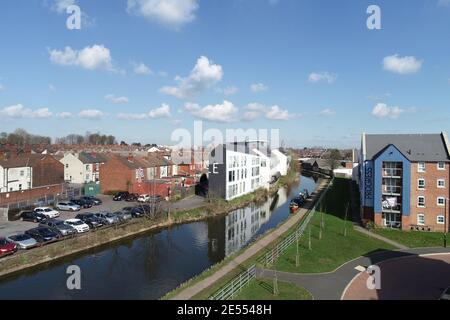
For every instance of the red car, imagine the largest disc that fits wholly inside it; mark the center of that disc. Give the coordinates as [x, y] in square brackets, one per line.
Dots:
[7, 247]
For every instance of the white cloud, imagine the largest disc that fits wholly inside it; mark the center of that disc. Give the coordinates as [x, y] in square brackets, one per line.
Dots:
[224, 112]
[229, 91]
[172, 13]
[2, 88]
[328, 77]
[382, 110]
[18, 111]
[90, 58]
[132, 116]
[142, 69]
[402, 65]
[161, 112]
[60, 6]
[116, 100]
[327, 112]
[258, 87]
[91, 114]
[276, 113]
[257, 110]
[204, 75]
[65, 115]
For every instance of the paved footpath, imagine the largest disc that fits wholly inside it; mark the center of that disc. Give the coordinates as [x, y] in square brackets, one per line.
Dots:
[261, 244]
[331, 286]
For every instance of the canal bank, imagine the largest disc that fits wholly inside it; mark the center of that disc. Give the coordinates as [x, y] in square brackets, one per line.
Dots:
[204, 285]
[157, 261]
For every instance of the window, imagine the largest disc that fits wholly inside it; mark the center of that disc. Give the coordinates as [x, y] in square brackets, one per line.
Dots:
[441, 165]
[441, 201]
[421, 202]
[421, 167]
[22, 173]
[440, 219]
[420, 219]
[421, 184]
[441, 183]
[67, 165]
[87, 167]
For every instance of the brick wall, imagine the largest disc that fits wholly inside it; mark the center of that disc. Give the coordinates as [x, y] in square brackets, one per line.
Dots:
[31, 194]
[115, 176]
[47, 172]
[431, 193]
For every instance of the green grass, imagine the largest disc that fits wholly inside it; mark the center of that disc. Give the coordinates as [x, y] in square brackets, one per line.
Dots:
[413, 239]
[334, 249]
[263, 290]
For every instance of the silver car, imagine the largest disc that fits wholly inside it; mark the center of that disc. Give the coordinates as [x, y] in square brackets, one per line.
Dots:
[23, 241]
[109, 217]
[68, 206]
[59, 226]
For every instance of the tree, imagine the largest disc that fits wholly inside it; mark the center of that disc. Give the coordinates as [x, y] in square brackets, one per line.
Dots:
[334, 158]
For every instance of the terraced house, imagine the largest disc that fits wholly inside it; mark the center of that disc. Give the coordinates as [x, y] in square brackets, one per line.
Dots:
[404, 181]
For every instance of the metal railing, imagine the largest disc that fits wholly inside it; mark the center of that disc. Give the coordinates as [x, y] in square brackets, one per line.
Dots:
[392, 172]
[233, 287]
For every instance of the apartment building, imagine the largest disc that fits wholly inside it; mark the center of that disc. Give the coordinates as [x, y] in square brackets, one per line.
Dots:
[83, 167]
[238, 168]
[404, 181]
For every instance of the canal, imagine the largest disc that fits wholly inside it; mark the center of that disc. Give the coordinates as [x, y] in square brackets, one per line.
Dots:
[149, 266]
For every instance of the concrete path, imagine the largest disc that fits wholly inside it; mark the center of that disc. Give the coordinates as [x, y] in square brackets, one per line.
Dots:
[381, 238]
[331, 286]
[261, 244]
[188, 203]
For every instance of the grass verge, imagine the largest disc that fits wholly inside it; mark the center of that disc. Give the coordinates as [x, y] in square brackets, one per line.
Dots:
[413, 239]
[262, 289]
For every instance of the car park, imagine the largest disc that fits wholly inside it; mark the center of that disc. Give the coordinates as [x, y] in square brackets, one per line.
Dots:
[43, 234]
[7, 247]
[68, 206]
[143, 198]
[59, 226]
[32, 216]
[95, 201]
[78, 225]
[48, 212]
[23, 241]
[82, 203]
[123, 215]
[109, 217]
[132, 197]
[91, 220]
[120, 196]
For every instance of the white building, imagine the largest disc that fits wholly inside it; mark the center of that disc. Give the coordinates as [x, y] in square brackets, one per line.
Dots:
[82, 168]
[239, 168]
[15, 177]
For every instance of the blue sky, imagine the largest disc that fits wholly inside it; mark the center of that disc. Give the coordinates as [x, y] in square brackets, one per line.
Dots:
[139, 69]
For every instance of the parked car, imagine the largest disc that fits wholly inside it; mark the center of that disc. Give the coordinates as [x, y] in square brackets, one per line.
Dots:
[32, 216]
[109, 217]
[68, 206]
[138, 212]
[132, 197]
[120, 196]
[445, 295]
[59, 226]
[123, 215]
[95, 201]
[78, 225]
[143, 198]
[82, 203]
[48, 212]
[91, 220]
[23, 241]
[43, 234]
[7, 247]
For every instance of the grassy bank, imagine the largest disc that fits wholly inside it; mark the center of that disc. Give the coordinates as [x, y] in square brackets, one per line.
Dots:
[261, 289]
[331, 249]
[413, 239]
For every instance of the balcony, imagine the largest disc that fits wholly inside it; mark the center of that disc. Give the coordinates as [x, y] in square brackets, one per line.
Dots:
[392, 173]
[391, 206]
[392, 190]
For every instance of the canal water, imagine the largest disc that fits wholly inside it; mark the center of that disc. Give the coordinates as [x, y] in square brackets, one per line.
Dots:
[149, 266]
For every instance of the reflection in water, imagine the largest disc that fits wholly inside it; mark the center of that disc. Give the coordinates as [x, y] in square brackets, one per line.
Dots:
[151, 265]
